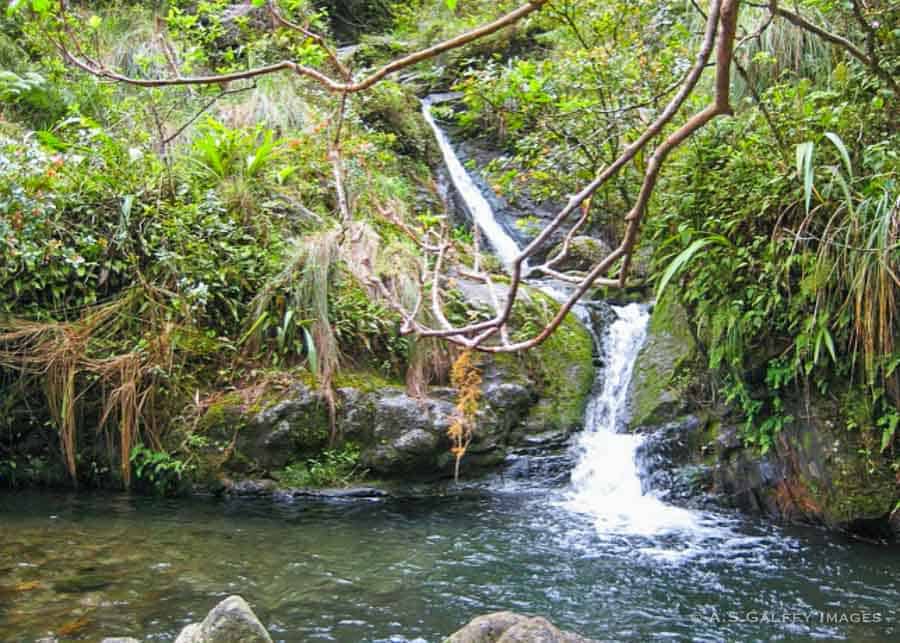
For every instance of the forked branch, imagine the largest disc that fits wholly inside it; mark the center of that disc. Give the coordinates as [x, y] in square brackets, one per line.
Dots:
[719, 36]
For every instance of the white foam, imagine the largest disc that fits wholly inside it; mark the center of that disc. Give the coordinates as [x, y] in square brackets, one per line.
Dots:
[605, 482]
[479, 209]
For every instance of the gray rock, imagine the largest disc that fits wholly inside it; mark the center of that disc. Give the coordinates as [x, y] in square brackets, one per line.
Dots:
[487, 628]
[657, 392]
[231, 621]
[297, 424]
[509, 627]
[356, 415]
[191, 634]
[118, 639]
[584, 253]
[410, 434]
[251, 488]
[665, 461]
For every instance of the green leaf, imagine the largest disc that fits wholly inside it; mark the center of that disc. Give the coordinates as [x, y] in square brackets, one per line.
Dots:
[311, 349]
[451, 4]
[842, 149]
[684, 258]
[805, 170]
[253, 328]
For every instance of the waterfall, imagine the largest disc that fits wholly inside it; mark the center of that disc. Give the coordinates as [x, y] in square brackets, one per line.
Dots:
[479, 209]
[605, 482]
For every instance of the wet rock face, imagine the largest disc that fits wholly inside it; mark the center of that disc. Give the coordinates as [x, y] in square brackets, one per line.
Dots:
[665, 460]
[231, 621]
[816, 470]
[509, 627]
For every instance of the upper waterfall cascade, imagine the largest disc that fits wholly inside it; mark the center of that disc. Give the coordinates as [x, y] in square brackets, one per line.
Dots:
[479, 209]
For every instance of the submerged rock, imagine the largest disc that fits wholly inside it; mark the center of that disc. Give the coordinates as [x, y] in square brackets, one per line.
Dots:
[509, 627]
[82, 583]
[231, 621]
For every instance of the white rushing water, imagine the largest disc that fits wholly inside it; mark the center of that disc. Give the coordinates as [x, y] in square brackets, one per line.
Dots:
[605, 483]
[479, 209]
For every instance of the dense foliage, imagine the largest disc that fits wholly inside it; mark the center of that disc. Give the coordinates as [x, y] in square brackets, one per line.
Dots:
[779, 228]
[207, 218]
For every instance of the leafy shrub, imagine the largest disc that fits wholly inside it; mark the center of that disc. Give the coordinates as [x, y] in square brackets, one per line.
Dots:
[158, 471]
[332, 468]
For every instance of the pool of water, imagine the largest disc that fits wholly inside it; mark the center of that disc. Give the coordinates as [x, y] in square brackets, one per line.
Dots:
[403, 569]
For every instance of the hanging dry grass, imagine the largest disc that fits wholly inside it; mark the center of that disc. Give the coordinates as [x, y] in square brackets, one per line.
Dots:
[63, 354]
[306, 279]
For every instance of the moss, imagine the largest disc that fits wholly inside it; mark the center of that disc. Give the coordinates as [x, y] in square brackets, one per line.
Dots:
[562, 366]
[393, 108]
[565, 361]
[663, 371]
[364, 381]
[224, 415]
[862, 483]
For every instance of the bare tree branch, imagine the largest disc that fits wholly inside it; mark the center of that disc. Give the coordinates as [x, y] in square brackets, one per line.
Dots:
[835, 39]
[83, 62]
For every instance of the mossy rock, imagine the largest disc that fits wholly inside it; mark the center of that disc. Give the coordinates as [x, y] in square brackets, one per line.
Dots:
[561, 368]
[393, 108]
[818, 470]
[664, 367]
[841, 469]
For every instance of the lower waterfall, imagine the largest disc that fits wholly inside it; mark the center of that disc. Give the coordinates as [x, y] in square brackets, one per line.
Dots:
[605, 482]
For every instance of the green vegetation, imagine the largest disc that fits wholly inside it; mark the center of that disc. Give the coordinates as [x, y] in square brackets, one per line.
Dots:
[158, 471]
[162, 245]
[332, 468]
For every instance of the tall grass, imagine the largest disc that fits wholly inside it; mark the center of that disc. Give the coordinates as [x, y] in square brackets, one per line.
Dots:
[857, 266]
[782, 47]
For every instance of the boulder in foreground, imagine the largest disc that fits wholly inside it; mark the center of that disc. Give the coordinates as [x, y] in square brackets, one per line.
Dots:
[231, 621]
[509, 627]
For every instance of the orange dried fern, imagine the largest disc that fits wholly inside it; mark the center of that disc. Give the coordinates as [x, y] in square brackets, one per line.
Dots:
[466, 378]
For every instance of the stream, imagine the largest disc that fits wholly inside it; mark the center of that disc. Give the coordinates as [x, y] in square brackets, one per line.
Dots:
[593, 555]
